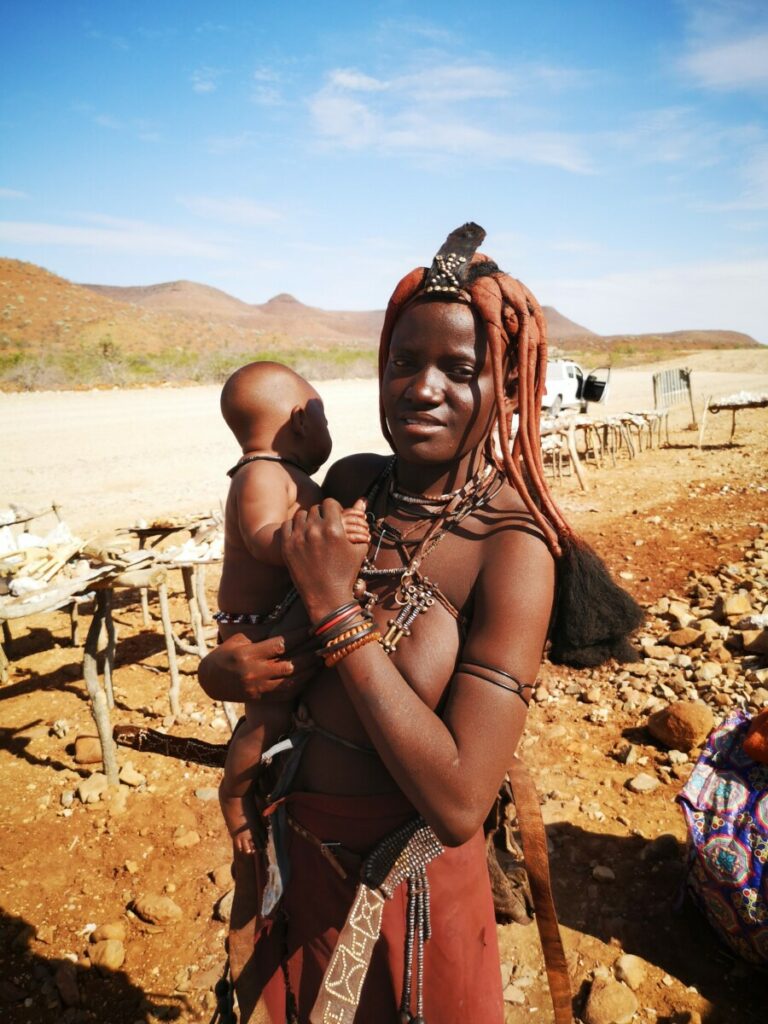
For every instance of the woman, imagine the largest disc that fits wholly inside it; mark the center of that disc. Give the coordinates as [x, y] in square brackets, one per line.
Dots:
[402, 743]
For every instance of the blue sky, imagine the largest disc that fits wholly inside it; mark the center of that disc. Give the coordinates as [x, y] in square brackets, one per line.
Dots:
[616, 152]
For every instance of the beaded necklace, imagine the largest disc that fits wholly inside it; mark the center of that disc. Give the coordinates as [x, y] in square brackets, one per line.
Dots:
[415, 592]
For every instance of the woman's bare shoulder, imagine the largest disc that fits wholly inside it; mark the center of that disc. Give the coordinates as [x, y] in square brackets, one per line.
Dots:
[349, 478]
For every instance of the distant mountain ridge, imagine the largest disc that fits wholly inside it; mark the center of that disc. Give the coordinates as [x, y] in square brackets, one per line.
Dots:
[55, 333]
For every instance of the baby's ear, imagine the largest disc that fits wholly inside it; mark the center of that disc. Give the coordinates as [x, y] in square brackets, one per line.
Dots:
[298, 420]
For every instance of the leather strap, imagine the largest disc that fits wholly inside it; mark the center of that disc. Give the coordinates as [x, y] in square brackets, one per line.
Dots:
[534, 842]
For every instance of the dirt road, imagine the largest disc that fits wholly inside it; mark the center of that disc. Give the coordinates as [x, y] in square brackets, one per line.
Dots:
[112, 457]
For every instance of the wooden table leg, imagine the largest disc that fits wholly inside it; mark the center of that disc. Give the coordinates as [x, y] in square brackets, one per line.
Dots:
[170, 646]
[187, 573]
[99, 705]
[573, 452]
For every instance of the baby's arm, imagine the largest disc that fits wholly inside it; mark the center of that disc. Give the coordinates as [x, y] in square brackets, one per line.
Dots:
[264, 502]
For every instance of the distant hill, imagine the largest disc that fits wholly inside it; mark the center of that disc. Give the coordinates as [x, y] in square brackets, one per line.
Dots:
[54, 333]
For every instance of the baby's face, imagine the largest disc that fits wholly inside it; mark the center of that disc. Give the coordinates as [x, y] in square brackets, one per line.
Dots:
[317, 440]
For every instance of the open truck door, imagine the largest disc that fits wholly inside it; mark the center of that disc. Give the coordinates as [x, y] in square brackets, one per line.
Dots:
[595, 386]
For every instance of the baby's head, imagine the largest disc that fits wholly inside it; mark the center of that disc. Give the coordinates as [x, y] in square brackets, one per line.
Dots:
[270, 408]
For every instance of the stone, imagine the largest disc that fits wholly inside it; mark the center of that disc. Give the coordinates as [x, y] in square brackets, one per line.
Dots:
[87, 750]
[205, 979]
[130, 777]
[46, 933]
[736, 605]
[759, 696]
[684, 637]
[222, 875]
[207, 793]
[93, 788]
[755, 641]
[223, 907]
[682, 725]
[631, 970]
[67, 798]
[609, 1002]
[156, 909]
[65, 980]
[624, 752]
[108, 954]
[681, 613]
[592, 696]
[60, 728]
[643, 783]
[187, 839]
[514, 995]
[110, 930]
[602, 873]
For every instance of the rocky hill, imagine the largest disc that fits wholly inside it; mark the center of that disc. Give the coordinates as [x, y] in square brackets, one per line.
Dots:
[54, 333]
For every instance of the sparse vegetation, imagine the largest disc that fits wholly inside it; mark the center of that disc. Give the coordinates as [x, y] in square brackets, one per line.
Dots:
[57, 335]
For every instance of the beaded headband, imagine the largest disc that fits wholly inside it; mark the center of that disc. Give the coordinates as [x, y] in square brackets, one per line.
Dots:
[449, 267]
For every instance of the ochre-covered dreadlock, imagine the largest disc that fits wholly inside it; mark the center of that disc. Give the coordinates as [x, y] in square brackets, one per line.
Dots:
[593, 615]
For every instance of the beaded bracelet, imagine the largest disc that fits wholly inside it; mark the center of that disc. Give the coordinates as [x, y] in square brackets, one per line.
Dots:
[355, 645]
[341, 641]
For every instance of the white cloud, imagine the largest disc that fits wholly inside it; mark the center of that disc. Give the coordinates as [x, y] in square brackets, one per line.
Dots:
[233, 210]
[718, 296]
[425, 112]
[205, 79]
[12, 193]
[107, 121]
[737, 64]
[114, 234]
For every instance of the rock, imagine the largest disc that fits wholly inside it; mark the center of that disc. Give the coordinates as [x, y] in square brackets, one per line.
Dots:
[624, 752]
[684, 637]
[631, 970]
[592, 696]
[110, 930]
[46, 933]
[677, 757]
[222, 875]
[187, 839]
[736, 605]
[65, 980]
[87, 750]
[602, 873]
[93, 788]
[755, 641]
[67, 798]
[514, 995]
[223, 907]
[108, 954]
[206, 979]
[156, 909]
[682, 725]
[759, 696]
[131, 867]
[207, 793]
[60, 728]
[680, 612]
[130, 777]
[708, 671]
[643, 783]
[609, 1002]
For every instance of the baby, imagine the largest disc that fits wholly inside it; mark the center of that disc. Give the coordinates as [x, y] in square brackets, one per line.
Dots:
[279, 422]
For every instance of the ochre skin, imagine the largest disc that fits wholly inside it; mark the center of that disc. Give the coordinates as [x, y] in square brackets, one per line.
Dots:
[439, 401]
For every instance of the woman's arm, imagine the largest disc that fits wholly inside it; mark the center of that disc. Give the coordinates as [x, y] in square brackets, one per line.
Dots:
[449, 767]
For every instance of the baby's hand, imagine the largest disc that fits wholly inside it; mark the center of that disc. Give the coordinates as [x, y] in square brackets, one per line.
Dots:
[356, 524]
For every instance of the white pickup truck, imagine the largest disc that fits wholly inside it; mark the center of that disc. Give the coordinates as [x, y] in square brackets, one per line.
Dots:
[568, 386]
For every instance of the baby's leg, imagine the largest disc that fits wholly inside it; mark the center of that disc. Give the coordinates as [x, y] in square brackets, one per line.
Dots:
[264, 724]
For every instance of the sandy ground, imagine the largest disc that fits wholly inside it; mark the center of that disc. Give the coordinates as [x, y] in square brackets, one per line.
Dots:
[66, 866]
[110, 458]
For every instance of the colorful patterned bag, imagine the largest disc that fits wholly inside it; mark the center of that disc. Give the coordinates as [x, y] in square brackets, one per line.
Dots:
[725, 804]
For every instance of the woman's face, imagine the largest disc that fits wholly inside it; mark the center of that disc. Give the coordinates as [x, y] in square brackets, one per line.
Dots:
[437, 388]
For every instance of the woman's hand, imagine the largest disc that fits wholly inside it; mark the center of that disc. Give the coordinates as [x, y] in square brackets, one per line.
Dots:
[276, 668]
[321, 560]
